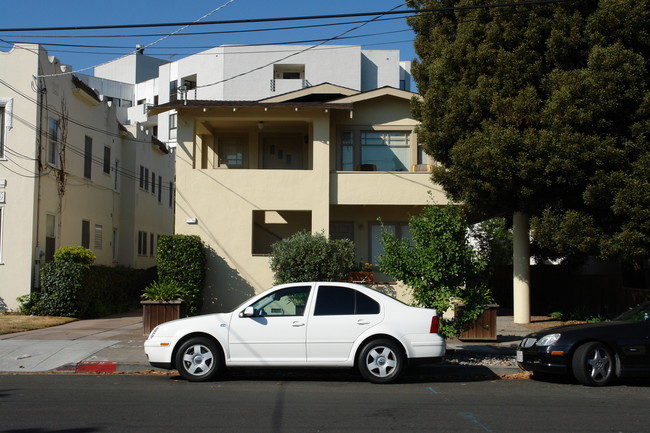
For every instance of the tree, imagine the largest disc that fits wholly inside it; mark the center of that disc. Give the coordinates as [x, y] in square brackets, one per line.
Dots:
[308, 256]
[439, 265]
[542, 110]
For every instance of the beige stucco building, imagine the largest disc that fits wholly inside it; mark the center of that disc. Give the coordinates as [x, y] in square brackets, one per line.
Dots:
[324, 158]
[71, 174]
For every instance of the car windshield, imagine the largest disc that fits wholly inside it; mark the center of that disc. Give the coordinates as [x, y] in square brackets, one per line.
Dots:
[636, 314]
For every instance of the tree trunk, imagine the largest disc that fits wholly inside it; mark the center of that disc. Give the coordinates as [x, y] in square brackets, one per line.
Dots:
[521, 267]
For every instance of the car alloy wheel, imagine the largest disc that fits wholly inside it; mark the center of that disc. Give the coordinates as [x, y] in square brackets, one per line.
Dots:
[593, 364]
[198, 359]
[381, 361]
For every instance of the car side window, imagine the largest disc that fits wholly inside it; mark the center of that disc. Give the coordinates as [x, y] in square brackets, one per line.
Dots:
[284, 302]
[338, 301]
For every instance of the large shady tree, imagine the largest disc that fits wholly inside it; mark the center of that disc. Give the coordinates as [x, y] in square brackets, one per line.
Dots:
[542, 112]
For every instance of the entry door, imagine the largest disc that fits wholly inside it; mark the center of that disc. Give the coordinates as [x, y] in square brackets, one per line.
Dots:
[282, 152]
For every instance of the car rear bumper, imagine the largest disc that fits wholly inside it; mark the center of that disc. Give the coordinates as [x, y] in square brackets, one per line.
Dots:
[424, 346]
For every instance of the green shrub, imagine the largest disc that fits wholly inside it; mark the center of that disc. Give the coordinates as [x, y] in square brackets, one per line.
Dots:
[439, 265]
[311, 257]
[29, 304]
[162, 291]
[113, 289]
[181, 259]
[62, 283]
[79, 255]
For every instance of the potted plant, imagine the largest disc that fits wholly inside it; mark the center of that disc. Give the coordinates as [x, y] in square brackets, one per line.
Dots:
[364, 274]
[161, 303]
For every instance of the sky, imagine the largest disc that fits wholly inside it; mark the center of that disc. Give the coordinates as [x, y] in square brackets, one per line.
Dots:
[83, 49]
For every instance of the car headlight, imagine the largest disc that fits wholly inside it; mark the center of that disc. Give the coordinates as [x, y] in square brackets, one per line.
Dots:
[153, 332]
[548, 340]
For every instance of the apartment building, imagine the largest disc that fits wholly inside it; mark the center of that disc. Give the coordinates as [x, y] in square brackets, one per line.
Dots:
[272, 140]
[72, 174]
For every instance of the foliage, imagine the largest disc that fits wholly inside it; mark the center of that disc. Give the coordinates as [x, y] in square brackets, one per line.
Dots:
[544, 109]
[439, 266]
[75, 254]
[162, 291]
[493, 241]
[62, 283]
[182, 260]
[309, 256]
[95, 291]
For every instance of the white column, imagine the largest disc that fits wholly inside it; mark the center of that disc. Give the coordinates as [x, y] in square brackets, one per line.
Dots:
[521, 267]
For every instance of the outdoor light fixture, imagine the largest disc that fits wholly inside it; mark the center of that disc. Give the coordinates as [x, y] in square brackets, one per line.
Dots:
[260, 125]
[191, 221]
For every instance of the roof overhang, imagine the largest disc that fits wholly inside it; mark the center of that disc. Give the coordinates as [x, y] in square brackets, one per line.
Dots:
[207, 104]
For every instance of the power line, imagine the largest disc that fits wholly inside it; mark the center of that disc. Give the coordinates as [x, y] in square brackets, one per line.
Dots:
[277, 19]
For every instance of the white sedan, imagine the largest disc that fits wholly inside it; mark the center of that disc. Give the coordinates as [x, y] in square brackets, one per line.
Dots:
[302, 325]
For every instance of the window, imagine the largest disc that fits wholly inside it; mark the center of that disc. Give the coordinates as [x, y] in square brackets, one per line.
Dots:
[159, 189]
[6, 105]
[173, 91]
[141, 177]
[401, 230]
[347, 151]
[338, 301]
[387, 151]
[285, 302]
[85, 234]
[115, 244]
[99, 230]
[107, 160]
[53, 142]
[144, 178]
[142, 243]
[88, 157]
[173, 119]
[151, 249]
[233, 151]
[342, 230]
[2, 214]
[153, 182]
[116, 186]
[2, 132]
[50, 238]
[171, 194]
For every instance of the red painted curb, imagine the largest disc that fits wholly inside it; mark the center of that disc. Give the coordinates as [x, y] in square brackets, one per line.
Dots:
[89, 367]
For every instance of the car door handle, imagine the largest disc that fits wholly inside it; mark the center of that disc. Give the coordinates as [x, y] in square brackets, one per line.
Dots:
[363, 322]
[298, 324]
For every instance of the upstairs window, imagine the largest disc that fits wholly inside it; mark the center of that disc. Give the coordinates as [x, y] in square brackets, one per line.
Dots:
[53, 142]
[88, 157]
[173, 125]
[386, 151]
[2, 132]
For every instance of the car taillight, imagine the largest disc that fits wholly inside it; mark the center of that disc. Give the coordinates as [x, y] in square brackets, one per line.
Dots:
[435, 325]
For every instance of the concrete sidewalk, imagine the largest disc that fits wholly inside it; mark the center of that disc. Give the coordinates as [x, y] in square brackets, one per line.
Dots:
[115, 344]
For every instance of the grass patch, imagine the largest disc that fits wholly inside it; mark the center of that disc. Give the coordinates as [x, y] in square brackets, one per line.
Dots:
[15, 322]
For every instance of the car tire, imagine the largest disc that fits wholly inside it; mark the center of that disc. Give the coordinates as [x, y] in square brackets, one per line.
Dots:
[199, 359]
[594, 364]
[381, 361]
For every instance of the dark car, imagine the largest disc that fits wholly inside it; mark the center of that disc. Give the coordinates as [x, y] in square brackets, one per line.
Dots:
[594, 353]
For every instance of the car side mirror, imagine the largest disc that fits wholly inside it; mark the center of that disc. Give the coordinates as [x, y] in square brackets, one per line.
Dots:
[248, 312]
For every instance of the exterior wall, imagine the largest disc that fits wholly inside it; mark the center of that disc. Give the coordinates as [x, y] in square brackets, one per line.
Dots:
[36, 192]
[223, 202]
[17, 168]
[380, 68]
[132, 69]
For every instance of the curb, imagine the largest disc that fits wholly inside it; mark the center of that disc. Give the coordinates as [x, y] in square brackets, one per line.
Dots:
[437, 371]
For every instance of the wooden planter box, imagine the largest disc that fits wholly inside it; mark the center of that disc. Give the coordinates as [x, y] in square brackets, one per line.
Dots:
[361, 277]
[155, 312]
[483, 328]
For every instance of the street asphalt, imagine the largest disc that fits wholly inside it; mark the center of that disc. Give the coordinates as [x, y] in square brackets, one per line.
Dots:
[115, 345]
